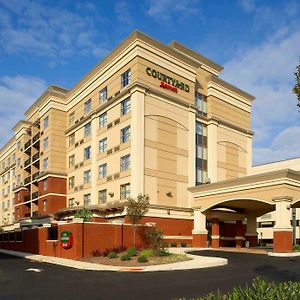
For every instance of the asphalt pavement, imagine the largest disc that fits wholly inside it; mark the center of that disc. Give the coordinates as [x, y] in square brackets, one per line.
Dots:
[45, 281]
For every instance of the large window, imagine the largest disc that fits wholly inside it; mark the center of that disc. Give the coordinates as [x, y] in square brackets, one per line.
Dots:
[103, 120]
[87, 176]
[201, 153]
[87, 199]
[71, 139]
[87, 129]
[103, 171]
[125, 134]
[201, 102]
[46, 164]
[103, 145]
[71, 182]
[71, 202]
[125, 78]
[46, 143]
[71, 160]
[103, 94]
[125, 191]
[87, 106]
[125, 106]
[102, 196]
[125, 162]
[87, 152]
[72, 118]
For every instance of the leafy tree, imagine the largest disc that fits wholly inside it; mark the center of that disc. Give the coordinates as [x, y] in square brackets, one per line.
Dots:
[85, 214]
[136, 209]
[296, 88]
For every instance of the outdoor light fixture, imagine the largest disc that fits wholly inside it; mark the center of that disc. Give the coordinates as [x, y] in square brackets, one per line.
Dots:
[169, 194]
[111, 194]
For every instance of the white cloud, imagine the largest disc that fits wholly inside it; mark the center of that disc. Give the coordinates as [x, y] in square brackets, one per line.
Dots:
[16, 96]
[247, 5]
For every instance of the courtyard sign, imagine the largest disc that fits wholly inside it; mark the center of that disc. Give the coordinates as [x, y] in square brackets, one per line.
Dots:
[168, 82]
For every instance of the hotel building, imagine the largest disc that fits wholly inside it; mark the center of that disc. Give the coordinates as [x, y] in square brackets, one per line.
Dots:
[148, 119]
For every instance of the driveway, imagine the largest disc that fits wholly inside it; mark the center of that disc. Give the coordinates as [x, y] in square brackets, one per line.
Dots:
[56, 282]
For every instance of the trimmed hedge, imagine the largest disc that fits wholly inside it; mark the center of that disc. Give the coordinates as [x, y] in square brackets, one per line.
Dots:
[142, 259]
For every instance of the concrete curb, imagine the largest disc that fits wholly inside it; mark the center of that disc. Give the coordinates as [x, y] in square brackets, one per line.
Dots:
[197, 262]
[290, 254]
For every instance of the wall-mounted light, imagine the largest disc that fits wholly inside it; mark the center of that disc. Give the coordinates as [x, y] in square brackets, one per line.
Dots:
[169, 194]
[111, 194]
[77, 203]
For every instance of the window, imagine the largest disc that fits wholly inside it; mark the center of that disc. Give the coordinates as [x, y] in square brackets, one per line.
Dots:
[46, 140]
[45, 185]
[71, 161]
[87, 199]
[8, 203]
[103, 145]
[3, 179]
[87, 129]
[18, 179]
[103, 171]
[103, 94]
[125, 106]
[102, 196]
[14, 157]
[125, 191]
[87, 176]
[71, 202]
[72, 139]
[46, 122]
[71, 182]
[87, 106]
[19, 145]
[201, 102]
[87, 153]
[52, 233]
[8, 162]
[8, 190]
[45, 205]
[103, 120]
[125, 162]
[125, 78]
[13, 172]
[72, 118]
[46, 163]
[125, 134]
[19, 162]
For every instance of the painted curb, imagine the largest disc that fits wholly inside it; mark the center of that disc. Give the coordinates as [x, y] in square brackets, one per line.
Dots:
[282, 254]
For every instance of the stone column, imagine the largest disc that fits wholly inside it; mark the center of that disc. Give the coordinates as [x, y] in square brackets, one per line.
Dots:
[199, 232]
[212, 150]
[215, 237]
[251, 232]
[239, 234]
[283, 231]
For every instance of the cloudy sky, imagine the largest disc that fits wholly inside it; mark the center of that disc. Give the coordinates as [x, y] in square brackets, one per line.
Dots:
[257, 42]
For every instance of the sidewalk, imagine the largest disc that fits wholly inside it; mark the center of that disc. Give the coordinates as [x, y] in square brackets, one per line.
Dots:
[197, 262]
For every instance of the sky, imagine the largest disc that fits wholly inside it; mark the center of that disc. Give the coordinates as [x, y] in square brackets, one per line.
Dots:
[256, 41]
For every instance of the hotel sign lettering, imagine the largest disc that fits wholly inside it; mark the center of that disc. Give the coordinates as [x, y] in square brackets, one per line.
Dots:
[168, 82]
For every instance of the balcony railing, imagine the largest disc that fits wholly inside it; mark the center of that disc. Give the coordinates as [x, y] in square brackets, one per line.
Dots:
[27, 144]
[35, 156]
[35, 176]
[35, 138]
[27, 180]
[35, 195]
[26, 198]
[27, 162]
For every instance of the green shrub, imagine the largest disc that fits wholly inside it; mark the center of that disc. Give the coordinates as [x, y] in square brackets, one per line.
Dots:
[85, 214]
[125, 257]
[174, 244]
[112, 255]
[142, 259]
[131, 251]
[296, 248]
[147, 253]
[164, 253]
[183, 244]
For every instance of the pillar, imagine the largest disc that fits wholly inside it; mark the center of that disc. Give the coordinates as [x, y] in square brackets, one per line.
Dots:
[199, 232]
[283, 231]
[215, 237]
[239, 234]
[212, 147]
[251, 232]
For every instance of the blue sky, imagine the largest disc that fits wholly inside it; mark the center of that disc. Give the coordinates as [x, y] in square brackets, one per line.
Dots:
[257, 42]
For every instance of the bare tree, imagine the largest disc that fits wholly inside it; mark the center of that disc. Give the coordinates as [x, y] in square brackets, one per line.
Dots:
[296, 88]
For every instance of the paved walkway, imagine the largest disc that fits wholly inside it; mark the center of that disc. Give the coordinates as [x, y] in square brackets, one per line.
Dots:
[197, 262]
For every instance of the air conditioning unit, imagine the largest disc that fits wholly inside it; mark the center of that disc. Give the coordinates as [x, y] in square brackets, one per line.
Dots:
[81, 118]
[76, 121]
[109, 125]
[42, 132]
[117, 121]
[117, 93]
[76, 189]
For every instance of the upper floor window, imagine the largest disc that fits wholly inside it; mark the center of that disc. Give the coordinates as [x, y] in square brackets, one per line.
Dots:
[46, 122]
[103, 171]
[14, 157]
[46, 143]
[71, 202]
[87, 199]
[126, 78]
[72, 118]
[71, 160]
[103, 145]
[103, 94]
[125, 191]
[125, 134]
[45, 185]
[46, 163]
[72, 139]
[87, 106]
[87, 152]
[103, 120]
[125, 162]
[19, 162]
[87, 129]
[8, 162]
[201, 102]
[19, 145]
[18, 179]
[102, 197]
[87, 176]
[71, 182]
[125, 106]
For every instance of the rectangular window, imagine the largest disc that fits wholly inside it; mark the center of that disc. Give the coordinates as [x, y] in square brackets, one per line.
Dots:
[125, 134]
[103, 171]
[45, 185]
[72, 118]
[125, 163]
[87, 153]
[19, 162]
[87, 176]
[46, 122]
[18, 179]
[87, 106]
[19, 145]
[125, 78]
[72, 139]
[87, 129]
[8, 203]
[86, 199]
[71, 202]
[125, 191]
[71, 182]
[102, 196]
[46, 163]
[103, 120]
[103, 145]
[201, 102]
[71, 161]
[103, 94]
[8, 162]
[45, 205]
[125, 106]
[46, 143]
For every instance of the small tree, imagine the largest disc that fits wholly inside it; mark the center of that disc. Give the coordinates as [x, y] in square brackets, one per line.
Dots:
[296, 88]
[84, 214]
[136, 209]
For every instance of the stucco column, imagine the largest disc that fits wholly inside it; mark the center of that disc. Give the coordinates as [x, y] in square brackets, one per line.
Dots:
[251, 232]
[212, 151]
[199, 232]
[215, 230]
[137, 142]
[239, 234]
[192, 154]
[283, 231]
